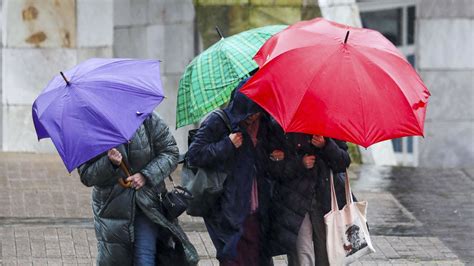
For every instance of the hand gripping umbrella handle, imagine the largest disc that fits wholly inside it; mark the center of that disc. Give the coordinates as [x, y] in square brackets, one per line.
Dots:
[121, 181]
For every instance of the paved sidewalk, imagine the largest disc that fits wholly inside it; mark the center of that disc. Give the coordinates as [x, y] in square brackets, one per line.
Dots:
[43, 245]
[45, 218]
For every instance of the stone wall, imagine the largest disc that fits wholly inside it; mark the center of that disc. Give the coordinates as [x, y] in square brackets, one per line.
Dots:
[445, 54]
[41, 38]
[158, 29]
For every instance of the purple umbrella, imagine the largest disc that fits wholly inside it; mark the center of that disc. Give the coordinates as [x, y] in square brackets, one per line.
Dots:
[96, 106]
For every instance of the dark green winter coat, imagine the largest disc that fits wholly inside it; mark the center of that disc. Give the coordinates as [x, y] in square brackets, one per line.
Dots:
[114, 207]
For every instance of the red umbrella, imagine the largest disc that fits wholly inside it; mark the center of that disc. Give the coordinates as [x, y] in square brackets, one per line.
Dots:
[321, 77]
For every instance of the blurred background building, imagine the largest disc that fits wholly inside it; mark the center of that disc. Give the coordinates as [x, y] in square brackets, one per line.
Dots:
[437, 36]
[42, 37]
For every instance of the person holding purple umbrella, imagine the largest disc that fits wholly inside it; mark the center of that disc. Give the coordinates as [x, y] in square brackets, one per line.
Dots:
[99, 115]
[131, 227]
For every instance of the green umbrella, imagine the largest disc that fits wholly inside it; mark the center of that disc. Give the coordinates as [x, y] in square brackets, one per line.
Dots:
[209, 79]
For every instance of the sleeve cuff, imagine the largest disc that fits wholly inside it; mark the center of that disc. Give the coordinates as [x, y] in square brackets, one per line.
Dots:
[229, 146]
[330, 147]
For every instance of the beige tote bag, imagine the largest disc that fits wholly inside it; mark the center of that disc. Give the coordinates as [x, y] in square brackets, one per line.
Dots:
[347, 234]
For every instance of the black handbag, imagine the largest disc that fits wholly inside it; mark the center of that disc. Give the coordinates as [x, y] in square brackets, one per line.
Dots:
[176, 201]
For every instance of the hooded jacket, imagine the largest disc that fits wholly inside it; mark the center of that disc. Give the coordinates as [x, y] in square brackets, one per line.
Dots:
[114, 207]
[298, 191]
[212, 147]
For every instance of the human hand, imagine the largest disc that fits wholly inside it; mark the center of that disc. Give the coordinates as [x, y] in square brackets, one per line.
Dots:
[236, 139]
[308, 161]
[138, 180]
[114, 156]
[277, 155]
[318, 141]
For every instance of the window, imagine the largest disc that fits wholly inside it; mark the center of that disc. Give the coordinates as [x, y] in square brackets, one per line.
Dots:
[395, 19]
[411, 59]
[388, 22]
[397, 145]
[411, 25]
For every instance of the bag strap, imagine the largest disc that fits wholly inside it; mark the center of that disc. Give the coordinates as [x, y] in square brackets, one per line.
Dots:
[334, 206]
[147, 126]
[224, 118]
[349, 198]
[347, 187]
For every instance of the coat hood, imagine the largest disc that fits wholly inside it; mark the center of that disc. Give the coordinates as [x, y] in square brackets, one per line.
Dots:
[240, 108]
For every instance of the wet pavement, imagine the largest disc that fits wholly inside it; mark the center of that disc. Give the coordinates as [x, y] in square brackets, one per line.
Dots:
[416, 216]
[441, 200]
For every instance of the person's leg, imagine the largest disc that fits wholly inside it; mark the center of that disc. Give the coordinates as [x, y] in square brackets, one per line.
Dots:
[304, 245]
[146, 234]
[248, 248]
[319, 237]
[227, 262]
[292, 259]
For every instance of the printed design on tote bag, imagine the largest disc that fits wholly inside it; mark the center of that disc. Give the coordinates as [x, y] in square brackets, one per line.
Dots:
[356, 240]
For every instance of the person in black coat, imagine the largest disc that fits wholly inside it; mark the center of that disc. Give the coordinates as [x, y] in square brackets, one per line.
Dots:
[234, 223]
[301, 167]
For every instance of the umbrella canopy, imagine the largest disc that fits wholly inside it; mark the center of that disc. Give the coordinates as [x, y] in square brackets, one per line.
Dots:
[209, 79]
[101, 105]
[321, 77]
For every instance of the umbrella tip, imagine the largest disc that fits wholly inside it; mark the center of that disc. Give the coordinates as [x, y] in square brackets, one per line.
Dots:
[219, 32]
[347, 36]
[64, 77]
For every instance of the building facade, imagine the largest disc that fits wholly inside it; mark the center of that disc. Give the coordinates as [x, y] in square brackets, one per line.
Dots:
[437, 37]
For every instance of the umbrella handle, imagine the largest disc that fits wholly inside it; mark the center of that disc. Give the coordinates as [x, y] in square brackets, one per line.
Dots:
[121, 181]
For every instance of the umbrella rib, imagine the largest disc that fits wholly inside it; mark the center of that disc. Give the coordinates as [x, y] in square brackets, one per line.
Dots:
[397, 57]
[211, 73]
[135, 90]
[383, 49]
[203, 106]
[108, 64]
[242, 41]
[394, 81]
[364, 125]
[315, 75]
[127, 85]
[64, 150]
[103, 116]
[51, 103]
[178, 105]
[201, 84]
[237, 62]
[224, 87]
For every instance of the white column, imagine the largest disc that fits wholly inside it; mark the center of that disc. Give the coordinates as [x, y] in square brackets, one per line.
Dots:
[341, 11]
[445, 59]
[163, 30]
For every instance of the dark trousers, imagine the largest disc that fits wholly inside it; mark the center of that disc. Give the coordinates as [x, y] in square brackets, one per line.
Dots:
[248, 248]
[319, 234]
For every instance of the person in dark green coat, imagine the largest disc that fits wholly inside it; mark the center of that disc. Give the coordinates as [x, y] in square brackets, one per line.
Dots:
[129, 222]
